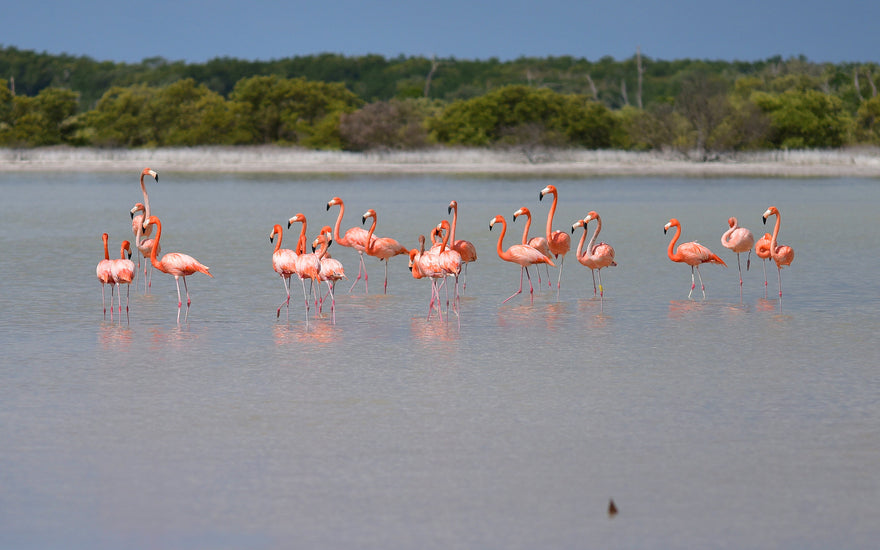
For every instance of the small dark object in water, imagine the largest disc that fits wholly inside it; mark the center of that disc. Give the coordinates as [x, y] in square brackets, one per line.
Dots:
[612, 508]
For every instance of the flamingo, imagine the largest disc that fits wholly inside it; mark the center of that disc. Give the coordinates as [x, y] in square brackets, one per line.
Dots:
[331, 268]
[383, 248]
[146, 231]
[521, 254]
[143, 245]
[425, 264]
[307, 265]
[105, 275]
[691, 253]
[539, 243]
[123, 271]
[782, 255]
[450, 261]
[176, 264]
[559, 241]
[762, 250]
[596, 256]
[466, 249]
[284, 264]
[739, 239]
[355, 237]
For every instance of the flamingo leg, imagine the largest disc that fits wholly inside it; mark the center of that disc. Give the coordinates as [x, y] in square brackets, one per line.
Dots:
[332, 300]
[305, 298]
[521, 270]
[764, 265]
[693, 283]
[285, 281]
[179, 302]
[601, 291]
[593, 273]
[702, 286]
[779, 276]
[559, 278]
[464, 279]
[362, 267]
[103, 300]
[531, 289]
[386, 277]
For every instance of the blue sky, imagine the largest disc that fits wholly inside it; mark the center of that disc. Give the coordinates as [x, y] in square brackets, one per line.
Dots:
[195, 31]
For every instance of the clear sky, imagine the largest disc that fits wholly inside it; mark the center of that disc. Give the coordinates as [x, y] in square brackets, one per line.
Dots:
[195, 31]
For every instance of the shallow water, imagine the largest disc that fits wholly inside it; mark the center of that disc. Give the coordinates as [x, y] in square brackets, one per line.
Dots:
[717, 423]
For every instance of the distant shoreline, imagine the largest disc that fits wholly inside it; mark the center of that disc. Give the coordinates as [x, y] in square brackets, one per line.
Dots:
[858, 162]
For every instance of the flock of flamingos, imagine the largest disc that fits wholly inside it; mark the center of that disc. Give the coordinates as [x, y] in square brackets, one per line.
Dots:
[447, 257]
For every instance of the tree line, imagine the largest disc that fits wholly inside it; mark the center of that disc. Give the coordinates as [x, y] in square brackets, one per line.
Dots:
[370, 102]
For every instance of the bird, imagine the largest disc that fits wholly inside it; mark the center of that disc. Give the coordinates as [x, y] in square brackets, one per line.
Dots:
[559, 241]
[762, 250]
[425, 264]
[355, 237]
[535, 242]
[450, 261]
[520, 254]
[284, 264]
[308, 265]
[331, 268]
[105, 275]
[466, 249]
[147, 231]
[782, 255]
[144, 245]
[596, 256]
[123, 271]
[383, 248]
[692, 253]
[738, 239]
[176, 264]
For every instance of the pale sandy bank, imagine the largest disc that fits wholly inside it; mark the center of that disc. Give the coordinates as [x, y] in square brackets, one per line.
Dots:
[861, 162]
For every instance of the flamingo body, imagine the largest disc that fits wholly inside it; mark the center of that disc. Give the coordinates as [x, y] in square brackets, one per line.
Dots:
[558, 241]
[123, 271]
[383, 248]
[739, 240]
[520, 254]
[691, 253]
[781, 254]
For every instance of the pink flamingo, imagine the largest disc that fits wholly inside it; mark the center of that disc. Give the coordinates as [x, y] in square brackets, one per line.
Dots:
[176, 264]
[739, 239]
[425, 264]
[308, 266]
[450, 261]
[355, 237]
[762, 250]
[596, 256]
[143, 245]
[284, 264]
[539, 243]
[331, 268]
[521, 254]
[105, 275]
[145, 231]
[466, 249]
[383, 248]
[123, 271]
[692, 253]
[782, 255]
[559, 241]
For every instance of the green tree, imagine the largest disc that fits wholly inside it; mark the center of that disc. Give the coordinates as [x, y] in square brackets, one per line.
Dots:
[868, 121]
[122, 118]
[804, 119]
[47, 119]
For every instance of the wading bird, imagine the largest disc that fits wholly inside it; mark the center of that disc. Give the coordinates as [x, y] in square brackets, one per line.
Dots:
[782, 255]
[520, 254]
[691, 253]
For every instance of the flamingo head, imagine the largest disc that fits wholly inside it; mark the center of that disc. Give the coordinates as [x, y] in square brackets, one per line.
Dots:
[672, 223]
[770, 212]
[548, 189]
[126, 246]
[579, 223]
[592, 215]
[731, 222]
[298, 217]
[333, 202]
[496, 219]
[522, 212]
[368, 214]
[138, 207]
[150, 172]
[452, 206]
[276, 230]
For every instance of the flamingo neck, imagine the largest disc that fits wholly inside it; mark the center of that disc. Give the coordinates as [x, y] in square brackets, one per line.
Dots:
[370, 242]
[773, 243]
[338, 223]
[301, 242]
[278, 234]
[146, 198]
[550, 216]
[525, 239]
[156, 263]
[671, 250]
[454, 221]
[592, 245]
[501, 253]
[106, 250]
[580, 249]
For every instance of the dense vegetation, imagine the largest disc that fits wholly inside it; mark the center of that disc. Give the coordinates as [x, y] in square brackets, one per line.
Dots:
[358, 103]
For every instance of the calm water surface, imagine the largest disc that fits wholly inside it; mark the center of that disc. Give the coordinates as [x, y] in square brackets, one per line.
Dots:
[721, 424]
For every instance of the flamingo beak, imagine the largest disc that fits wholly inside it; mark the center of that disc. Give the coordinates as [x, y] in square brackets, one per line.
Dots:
[363, 220]
[664, 230]
[288, 224]
[764, 218]
[449, 210]
[540, 195]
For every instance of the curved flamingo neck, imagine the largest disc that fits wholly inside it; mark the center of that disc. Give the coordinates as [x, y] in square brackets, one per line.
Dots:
[454, 222]
[122, 247]
[106, 250]
[773, 243]
[336, 236]
[156, 263]
[446, 236]
[146, 198]
[580, 249]
[370, 244]
[550, 215]
[671, 250]
[278, 233]
[525, 239]
[725, 238]
[592, 245]
[501, 252]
